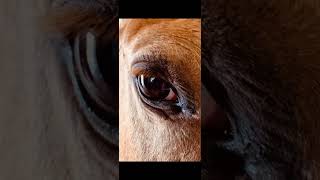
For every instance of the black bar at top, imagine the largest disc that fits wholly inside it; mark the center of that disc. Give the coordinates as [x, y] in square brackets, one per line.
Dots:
[159, 8]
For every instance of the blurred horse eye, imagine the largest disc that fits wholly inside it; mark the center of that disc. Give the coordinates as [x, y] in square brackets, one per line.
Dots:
[95, 93]
[156, 89]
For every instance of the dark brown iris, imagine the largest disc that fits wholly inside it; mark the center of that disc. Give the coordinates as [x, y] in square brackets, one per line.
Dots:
[155, 88]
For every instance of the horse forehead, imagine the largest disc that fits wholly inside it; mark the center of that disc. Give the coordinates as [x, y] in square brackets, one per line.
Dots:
[162, 36]
[132, 29]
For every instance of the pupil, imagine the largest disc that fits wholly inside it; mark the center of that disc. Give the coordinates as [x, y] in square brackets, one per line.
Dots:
[154, 88]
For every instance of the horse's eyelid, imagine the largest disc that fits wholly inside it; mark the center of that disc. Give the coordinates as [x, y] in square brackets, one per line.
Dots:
[151, 58]
[148, 68]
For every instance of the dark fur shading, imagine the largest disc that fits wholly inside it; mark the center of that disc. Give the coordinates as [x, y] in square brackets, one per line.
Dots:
[261, 62]
[42, 135]
[75, 16]
[73, 19]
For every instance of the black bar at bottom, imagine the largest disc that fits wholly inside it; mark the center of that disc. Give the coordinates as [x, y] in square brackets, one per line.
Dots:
[160, 170]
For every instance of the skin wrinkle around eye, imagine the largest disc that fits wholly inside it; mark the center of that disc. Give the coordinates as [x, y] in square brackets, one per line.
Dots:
[178, 50]
[148, 65]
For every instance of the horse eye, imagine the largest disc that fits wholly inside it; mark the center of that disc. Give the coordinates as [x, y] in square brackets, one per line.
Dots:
[93, 90]
[156, 89]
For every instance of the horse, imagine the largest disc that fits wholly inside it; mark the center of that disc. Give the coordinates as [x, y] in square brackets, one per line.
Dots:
[159, 102]
[46, 132]
[259, 76]
[260, 70]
